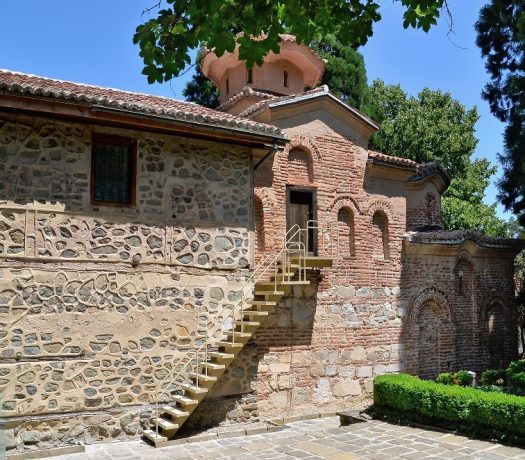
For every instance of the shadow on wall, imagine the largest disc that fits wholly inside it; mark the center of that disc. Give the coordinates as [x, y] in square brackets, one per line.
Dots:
[449, 324]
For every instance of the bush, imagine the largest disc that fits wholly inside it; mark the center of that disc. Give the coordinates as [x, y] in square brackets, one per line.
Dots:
[494, 377]
[475, 412]
[462, 378]
[516, 367]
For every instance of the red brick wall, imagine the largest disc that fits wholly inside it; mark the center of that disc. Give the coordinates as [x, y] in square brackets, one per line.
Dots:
[378, 309]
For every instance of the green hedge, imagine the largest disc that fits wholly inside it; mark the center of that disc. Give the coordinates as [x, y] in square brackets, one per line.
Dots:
[454, 407]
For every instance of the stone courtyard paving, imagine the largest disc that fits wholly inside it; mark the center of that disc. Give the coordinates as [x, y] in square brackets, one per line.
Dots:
[315, 439]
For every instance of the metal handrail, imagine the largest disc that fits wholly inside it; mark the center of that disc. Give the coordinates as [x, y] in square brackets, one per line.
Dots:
[260, 270]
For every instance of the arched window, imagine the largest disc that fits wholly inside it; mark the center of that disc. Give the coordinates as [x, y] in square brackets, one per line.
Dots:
[345, 219]
[249, 77]
[380, 237]
[285, 79]
[300, 165]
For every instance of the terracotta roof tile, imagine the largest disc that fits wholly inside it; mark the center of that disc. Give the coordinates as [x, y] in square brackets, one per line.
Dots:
[79, 93]
[391, 159]
[459, 236]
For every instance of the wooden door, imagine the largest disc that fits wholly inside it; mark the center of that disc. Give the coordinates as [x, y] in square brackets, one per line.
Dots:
[300, 210]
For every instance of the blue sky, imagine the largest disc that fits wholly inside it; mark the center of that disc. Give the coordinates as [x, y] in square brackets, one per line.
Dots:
[91, 42]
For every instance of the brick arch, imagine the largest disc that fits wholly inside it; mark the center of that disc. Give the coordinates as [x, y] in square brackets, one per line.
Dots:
[305, 143]
[425, 295]
[380, 205]
[465, 256]
[345, 201]
[430, 335]
[313, 154]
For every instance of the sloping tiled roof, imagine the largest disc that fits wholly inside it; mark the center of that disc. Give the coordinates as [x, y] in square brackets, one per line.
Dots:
[458, 236]
[78, 93]
[253, 109]
[391, 159]
[246, 91]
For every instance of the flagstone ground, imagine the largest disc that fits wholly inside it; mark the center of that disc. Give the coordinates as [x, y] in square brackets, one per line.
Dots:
[315, 439]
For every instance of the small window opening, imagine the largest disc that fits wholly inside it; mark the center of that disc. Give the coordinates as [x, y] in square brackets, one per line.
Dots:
[249, 77]
[227, 86]
[285, 79]
[113, 170]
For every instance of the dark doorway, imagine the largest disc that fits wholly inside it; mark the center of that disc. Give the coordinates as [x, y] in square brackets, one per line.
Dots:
[300, 208]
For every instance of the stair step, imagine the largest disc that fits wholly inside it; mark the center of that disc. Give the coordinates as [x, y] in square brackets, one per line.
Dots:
[185, 401]
[174, 412]
[258, 313]
[213, 366]
[220, 355]
[280, 282]
[203, 377]
[240, 335]
[266, 303]
[165, 424]
[230, 345]
[315, 261]
[193, 389]
[270, 293]
[154, 437]
[247, 323]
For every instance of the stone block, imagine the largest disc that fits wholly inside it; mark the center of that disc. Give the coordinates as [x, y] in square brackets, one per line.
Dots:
[363, 371]
[279, 368]
[347, 388]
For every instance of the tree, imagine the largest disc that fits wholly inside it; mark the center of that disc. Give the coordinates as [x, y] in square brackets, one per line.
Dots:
[179, 26]
[501, 38]
[433, 126]
[201, 90]
[436, 127]
[345, 72]
[463, 205]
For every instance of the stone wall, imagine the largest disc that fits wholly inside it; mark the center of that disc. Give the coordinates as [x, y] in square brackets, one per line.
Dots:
[97, 304]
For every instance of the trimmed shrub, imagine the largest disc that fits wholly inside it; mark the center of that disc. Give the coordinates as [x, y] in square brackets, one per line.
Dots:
[454, 407]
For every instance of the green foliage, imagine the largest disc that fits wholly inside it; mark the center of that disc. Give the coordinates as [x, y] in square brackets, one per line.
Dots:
[496, 377]
[462, 378]
[201, 90]
[501, 38]
[463, 205]
[436, 127]
[179, 26]
[345, 72]
[452, 406]
[432, 126]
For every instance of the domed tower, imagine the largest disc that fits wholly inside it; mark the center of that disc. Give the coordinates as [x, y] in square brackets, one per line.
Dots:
[289, 72]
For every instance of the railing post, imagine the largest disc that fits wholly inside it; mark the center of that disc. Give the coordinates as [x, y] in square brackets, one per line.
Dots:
[206, 352]
[197, 372]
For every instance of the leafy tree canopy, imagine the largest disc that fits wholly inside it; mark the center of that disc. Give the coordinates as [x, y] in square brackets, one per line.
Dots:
[436, 127]
[345, 72]
[179, 26]
[431, 126]
[501, 38]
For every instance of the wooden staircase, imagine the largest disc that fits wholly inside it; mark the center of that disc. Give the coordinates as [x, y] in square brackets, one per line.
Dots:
[201, 369]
